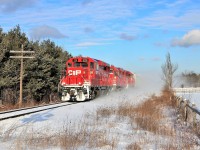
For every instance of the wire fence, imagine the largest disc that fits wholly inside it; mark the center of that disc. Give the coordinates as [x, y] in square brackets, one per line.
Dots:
[188, 111]
[189, 89]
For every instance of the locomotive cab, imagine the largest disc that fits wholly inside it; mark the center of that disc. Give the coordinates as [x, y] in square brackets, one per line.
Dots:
[76, 83]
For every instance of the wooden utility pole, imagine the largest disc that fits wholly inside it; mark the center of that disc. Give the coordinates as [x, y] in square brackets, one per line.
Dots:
[21, 56]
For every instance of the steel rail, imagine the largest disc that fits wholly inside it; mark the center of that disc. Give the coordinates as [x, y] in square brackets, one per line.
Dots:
[35, 111]
[26, 108]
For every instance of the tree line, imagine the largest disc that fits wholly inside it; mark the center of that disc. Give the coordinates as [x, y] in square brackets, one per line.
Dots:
[191, 78]
[41, 74]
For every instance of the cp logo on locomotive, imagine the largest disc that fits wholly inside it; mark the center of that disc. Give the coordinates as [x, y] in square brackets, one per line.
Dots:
[74, 72]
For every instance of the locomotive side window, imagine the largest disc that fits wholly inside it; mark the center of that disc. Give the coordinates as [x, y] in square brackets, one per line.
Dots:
[75, 60]
[69, 65]
[77, 64]
[84, 64]
[91, 65]
[102, 67]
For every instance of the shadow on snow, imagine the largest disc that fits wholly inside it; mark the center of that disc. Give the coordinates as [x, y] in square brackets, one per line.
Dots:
[39, 117]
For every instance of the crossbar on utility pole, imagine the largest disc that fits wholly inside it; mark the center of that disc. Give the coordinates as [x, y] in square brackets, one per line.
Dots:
[21, 56]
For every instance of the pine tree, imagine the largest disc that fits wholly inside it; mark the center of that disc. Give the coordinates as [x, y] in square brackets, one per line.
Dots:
[41, 74]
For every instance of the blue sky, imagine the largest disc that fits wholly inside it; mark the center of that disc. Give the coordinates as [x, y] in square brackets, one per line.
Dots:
[132, 34]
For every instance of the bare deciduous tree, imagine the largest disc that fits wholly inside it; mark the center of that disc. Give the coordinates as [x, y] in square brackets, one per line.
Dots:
[168, 69]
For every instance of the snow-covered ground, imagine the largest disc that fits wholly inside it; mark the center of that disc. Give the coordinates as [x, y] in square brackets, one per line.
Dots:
[55, 118]
[52, 121]
[145, 86]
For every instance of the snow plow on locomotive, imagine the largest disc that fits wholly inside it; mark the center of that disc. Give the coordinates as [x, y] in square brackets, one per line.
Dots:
[85, 78]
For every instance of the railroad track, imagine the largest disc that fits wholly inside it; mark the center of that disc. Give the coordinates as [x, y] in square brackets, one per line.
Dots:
[30, 110]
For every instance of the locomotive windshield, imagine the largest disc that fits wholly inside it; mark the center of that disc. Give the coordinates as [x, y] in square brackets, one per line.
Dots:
[81, 64]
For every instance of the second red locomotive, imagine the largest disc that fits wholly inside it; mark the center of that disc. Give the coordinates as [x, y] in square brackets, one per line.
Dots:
[86, 77]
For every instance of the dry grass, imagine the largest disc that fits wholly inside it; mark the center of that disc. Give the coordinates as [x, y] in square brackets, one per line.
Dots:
[148, 117]
[133, 146]
[69, 137]
[9, 132]
[6, 107]
[149, 114]
[105, 112]
[198, 129]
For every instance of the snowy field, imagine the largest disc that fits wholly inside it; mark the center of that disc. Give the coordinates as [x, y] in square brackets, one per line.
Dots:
[54, 117]
[53, 121]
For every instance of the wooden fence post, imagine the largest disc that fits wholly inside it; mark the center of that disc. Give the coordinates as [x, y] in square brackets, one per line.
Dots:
[181, 108]
[190, 113]
[185, 110]
[194, 116]
[177, 102]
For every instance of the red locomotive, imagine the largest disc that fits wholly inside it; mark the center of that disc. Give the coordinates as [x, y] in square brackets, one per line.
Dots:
[87, 77]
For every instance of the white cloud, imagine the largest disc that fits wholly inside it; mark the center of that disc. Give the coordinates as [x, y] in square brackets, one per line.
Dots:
[156, 59]
[46, 32]
[176, 3]
[9, 6]
[88, 30]
[162, 44]
[142, 58]
[124, 36]
[86, 2]
[87, 44]
[102, 19]
[170, 19]
[189, 39]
